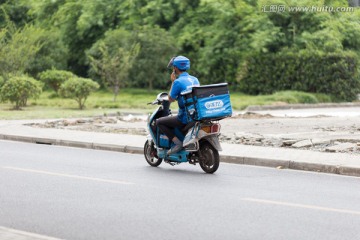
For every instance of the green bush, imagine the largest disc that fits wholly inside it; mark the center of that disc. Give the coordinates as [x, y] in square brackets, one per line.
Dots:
[335, 74]
[54, 78]
[18, 89]
[78, 89]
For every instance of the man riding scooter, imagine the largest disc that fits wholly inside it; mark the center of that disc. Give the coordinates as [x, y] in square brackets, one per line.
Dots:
[181, 81]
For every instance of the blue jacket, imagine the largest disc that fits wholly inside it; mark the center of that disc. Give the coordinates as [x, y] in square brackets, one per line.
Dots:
[183, 83]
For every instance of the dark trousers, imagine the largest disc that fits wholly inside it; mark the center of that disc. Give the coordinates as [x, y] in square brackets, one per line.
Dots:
[168, 124]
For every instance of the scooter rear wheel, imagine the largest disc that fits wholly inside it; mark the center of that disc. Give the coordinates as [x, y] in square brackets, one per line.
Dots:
[209, 160]
[150, 155]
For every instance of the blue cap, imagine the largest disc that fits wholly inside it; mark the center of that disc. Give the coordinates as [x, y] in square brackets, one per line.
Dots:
[181, 62]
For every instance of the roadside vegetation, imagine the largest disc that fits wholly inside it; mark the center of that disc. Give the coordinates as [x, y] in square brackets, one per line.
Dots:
[101, 103]
[93, 55]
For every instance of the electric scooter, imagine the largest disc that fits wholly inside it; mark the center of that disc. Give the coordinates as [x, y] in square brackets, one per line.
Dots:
[200, 138]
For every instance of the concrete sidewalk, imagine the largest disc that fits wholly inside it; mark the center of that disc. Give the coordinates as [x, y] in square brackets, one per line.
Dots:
[337, 163]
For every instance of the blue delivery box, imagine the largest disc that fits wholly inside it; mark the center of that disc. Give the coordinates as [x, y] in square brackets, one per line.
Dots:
[208, 102]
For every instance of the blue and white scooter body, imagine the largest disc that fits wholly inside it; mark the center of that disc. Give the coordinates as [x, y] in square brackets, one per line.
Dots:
[198, 146]
[162, 142]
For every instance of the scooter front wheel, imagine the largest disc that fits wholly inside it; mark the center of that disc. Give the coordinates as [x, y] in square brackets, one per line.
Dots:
[209, 160]
[150, 155]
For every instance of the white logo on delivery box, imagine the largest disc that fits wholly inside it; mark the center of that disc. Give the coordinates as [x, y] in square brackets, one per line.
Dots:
[214, 104]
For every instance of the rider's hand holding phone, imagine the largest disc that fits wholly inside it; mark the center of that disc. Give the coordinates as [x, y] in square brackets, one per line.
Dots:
[173, 76]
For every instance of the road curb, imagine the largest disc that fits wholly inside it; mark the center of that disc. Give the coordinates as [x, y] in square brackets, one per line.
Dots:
[109, 147]
[253, 161]
[72, 143]
[293, 165]
[349, 171]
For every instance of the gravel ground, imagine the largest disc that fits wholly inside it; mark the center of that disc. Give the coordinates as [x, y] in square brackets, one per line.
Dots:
[318, 133]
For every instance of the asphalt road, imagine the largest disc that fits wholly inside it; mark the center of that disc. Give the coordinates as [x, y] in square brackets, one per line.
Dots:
[71, 193]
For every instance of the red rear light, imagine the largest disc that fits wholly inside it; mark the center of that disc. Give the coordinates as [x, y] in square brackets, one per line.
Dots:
[215, 128]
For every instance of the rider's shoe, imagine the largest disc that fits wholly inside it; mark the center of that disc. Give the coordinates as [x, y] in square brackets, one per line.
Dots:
[176, 148]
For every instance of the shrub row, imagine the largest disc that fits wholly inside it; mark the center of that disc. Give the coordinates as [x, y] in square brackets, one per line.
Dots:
[17, 89]
[335, 74]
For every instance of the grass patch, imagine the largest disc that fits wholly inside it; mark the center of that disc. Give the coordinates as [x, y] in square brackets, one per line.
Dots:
[40, 112]
[241, 101]
[128, 98]
[134, 101]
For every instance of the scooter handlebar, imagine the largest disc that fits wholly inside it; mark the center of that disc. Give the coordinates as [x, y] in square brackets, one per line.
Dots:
[160, 98]
[156, 102]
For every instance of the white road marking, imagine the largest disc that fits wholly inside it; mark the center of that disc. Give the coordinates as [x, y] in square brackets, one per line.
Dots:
[11, 234]
[296, 205]
[68, 175]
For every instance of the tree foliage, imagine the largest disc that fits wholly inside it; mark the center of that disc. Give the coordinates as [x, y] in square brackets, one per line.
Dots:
[149, 68]
[114, 66]
[2, 82]
[219, 36]
[18, 48]
[53, 53]
[15, 11]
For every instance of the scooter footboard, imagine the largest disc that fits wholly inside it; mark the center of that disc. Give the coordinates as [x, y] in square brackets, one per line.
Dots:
[181, 156]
